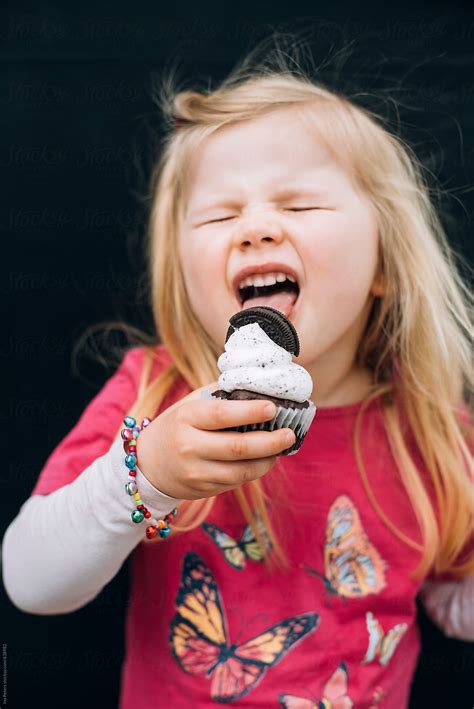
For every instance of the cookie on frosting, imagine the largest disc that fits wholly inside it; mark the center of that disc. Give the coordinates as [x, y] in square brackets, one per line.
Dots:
[272, 321]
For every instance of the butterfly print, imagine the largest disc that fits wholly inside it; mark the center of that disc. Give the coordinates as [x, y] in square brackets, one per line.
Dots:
[235, 551]
[353, 566]
[199, 636]
[382, 645]
[334, 694]
[377, 695]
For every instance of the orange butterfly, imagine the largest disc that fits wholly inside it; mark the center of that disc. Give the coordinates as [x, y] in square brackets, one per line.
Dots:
[199, 638]
[334, 694]
[353, 566]
[382, 645]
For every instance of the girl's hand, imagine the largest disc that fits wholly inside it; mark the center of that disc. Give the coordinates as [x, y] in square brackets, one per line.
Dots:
[183, 454]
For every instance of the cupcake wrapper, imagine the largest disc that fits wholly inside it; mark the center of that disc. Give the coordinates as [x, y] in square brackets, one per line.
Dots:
[299, 420]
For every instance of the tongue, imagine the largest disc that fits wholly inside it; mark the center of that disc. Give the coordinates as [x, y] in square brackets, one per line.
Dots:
[282, 301]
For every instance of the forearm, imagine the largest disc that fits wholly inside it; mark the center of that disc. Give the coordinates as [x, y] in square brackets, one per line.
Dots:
[63, 548]
[450, 604]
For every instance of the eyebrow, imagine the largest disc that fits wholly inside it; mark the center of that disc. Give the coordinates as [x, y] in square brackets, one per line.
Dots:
[281, 195]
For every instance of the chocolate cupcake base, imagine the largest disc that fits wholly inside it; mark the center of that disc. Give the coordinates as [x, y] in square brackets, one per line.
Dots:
[289, 414]
[245, 394]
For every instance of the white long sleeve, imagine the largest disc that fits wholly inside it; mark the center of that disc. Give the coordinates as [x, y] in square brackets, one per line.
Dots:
[63, 548]
[450, 604]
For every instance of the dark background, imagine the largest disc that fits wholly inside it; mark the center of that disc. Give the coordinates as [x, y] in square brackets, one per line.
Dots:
[76, 121]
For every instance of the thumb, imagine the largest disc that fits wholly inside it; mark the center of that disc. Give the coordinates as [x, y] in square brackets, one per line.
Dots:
[203, 392]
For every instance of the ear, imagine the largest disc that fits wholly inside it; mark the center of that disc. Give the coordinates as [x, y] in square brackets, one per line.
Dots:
[377, 288]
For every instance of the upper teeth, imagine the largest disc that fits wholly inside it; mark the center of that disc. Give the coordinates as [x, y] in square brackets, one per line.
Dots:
[267, 279]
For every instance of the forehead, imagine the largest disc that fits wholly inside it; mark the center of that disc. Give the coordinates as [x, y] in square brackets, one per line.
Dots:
[262, 151]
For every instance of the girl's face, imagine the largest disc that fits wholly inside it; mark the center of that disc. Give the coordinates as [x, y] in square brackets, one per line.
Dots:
[266, 191]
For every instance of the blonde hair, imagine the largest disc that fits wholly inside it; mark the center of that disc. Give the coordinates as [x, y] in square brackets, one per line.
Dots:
[417, 338]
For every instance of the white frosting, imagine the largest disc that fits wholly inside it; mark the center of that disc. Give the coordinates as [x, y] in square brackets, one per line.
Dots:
[253, 361]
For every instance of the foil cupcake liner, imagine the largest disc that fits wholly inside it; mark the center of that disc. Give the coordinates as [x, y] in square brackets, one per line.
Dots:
[299, 420]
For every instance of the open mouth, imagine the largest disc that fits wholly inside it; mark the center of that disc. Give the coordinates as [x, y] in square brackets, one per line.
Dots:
[276, 290]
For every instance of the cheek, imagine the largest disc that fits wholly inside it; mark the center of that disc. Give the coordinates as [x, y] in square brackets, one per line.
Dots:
[344, 253]
[204, 275]
[202, 264]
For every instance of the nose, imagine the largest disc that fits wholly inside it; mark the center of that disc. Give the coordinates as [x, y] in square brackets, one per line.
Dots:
[258, 229]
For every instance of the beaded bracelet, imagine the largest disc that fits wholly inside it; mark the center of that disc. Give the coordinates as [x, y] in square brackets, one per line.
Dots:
[130, 435]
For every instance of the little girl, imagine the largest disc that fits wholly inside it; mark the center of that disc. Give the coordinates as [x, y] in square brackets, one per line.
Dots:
[286, 581]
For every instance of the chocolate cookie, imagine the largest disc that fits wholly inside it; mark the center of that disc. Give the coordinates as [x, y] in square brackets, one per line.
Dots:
[272, 322]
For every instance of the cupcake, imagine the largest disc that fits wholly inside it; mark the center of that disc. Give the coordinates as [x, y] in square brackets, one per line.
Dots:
[257, 364]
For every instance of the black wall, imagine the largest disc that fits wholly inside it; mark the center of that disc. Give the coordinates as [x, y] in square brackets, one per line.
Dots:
[74, 116]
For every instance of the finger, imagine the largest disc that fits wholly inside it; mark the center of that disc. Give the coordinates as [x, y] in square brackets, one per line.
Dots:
[214, 415]
[222, 478]
[223, 445]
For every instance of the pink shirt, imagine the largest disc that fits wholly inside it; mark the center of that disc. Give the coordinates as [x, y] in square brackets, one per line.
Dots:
[208, 623]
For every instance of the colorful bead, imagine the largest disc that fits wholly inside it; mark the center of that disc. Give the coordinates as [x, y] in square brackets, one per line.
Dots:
[129, 435]
[151, 532]
[130, 461]
[131, 487]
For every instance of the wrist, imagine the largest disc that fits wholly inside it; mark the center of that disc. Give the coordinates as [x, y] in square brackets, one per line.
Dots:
[148, 467]
[158, 502]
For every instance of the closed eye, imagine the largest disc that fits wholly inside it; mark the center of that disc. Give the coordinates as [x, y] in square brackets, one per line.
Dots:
[222, 219]
[301, 209]
[288, 209]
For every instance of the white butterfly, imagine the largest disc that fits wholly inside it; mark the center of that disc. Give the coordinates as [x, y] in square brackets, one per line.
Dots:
[382, 645]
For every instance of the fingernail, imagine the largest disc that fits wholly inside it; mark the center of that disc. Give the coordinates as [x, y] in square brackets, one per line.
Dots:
[290, 437]
[270, 409]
